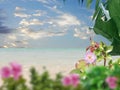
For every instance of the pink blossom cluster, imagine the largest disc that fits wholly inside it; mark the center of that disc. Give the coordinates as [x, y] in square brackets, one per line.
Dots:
[112, 82]
[72, 79]
[14, 71]
[90, 57]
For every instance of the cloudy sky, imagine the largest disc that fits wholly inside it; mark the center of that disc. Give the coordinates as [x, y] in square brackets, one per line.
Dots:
[45, 24]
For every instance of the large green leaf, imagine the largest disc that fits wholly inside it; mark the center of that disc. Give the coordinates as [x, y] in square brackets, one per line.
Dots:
[116, 47]
[97, 9]
[109, 30]
[105, 28]
[114, 8]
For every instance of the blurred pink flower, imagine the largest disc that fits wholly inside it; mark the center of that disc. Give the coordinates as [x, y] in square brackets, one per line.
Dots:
[16, 70]
[112, 82]
[66, 81]
[5, 72]
[75, 79]
[72, 79]
[90, 57]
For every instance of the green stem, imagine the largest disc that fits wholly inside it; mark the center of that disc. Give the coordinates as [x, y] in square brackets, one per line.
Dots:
[104, 61]
[104, 54]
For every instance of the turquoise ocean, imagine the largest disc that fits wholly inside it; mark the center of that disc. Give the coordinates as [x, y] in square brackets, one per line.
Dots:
[41, 56]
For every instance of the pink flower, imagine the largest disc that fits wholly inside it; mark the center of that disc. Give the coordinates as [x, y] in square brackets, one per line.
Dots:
[5, 72]
[72, 79]
[16, 70]
[75, 79]
[66, 81]
[90, 57]
[112, 82]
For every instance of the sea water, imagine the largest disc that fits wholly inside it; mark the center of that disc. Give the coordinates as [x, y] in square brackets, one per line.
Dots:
[41, 56]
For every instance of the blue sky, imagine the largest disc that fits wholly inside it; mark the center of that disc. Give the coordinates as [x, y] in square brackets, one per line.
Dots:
[45, 24]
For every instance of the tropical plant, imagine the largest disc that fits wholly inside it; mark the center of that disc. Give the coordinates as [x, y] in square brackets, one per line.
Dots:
[102, 78]
[107, 21]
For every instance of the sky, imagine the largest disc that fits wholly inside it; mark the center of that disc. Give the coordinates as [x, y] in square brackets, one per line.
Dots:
[46, 24]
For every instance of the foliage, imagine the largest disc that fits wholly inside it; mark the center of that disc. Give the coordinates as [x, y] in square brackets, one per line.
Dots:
[12, 84]
[43, 82]
[94, 78]
[39, 82]
[100, 77]
[107, 21]
[99, 51]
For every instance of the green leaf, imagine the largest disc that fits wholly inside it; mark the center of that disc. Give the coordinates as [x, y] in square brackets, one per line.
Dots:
[96, 13]
[97, 52]
[97, 4]
[116, 47]
[101, 48]
[110, 62]
[89, 3]
[108, 57]
[97, 9]
[114, 8]
[108, 49]
[99, 58]
[110, 29]
[118, 61]
[76, 71]
[81, 64]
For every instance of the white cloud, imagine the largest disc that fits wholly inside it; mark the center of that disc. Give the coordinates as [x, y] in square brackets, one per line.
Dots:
[39, 13]
[80, 34]
[43, 1]
[46, 1]
[19, 12]
[12, 40]
[54, 23]
[55, 7]
[21, 15]
[67, 19]
[19, 9]
[83, 32]
[39, 34]
[56, 26]
[25, 22]
[43, 34]
[63, 18]
[12, 37]
[35, 22]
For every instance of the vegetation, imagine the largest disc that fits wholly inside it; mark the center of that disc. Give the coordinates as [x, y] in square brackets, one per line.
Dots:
[107, 21]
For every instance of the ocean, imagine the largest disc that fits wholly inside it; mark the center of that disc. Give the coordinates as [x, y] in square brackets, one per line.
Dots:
[41, 56]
